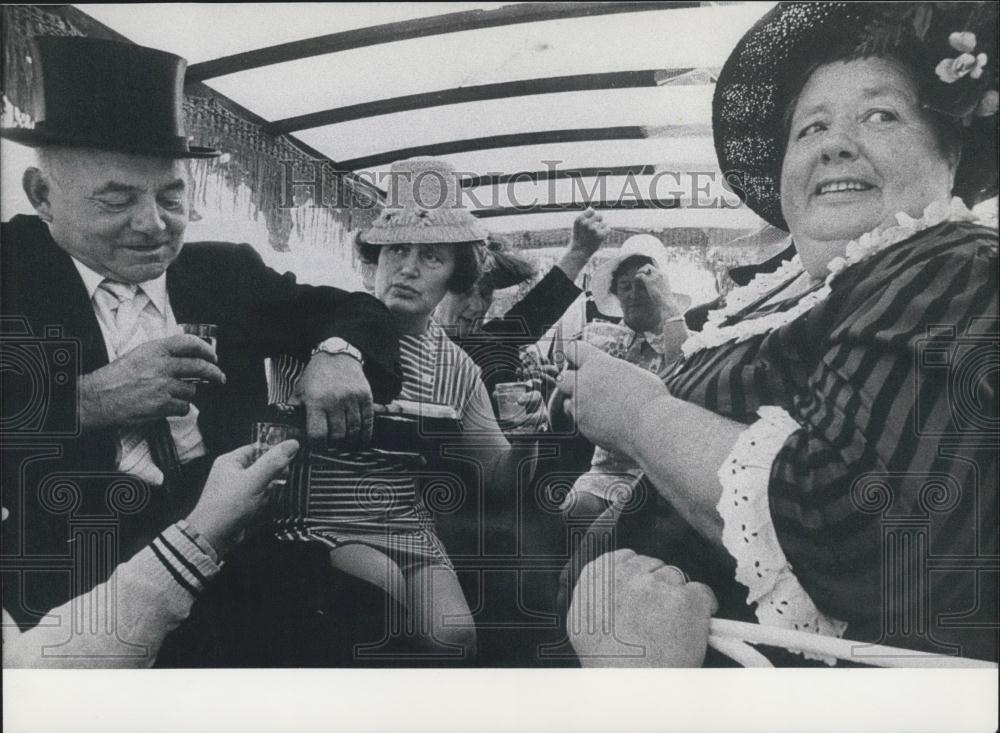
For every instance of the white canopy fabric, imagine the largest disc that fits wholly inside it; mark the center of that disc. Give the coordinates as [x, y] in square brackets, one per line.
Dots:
[663, 126]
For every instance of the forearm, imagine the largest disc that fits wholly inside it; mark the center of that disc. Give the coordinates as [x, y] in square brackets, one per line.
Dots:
[505, 461]
[529, 319]
[365, 324]
[143, 600]
[292, 319]
[91, 412]
[572, 263]
[681, 447]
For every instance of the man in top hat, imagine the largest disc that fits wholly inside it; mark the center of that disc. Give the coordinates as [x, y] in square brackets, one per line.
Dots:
[102, 270]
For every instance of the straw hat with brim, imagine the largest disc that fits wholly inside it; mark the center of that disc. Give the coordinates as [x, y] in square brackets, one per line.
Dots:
[423, 207]
[765, 71]
[640, 245]
[92, 93]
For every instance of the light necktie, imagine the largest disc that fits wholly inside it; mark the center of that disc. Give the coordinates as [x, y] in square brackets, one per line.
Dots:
[147, 451]
[122, 304]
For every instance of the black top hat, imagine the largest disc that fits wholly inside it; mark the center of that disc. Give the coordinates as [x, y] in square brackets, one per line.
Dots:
[764, 73]
[92, 93]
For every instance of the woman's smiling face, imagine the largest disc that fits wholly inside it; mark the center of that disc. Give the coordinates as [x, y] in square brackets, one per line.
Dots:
[860, 150]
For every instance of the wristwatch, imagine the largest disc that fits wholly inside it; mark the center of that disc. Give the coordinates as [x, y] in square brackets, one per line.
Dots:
[337, 345]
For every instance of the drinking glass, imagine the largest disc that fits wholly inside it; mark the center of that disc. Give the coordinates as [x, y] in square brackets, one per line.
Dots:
[207, 332]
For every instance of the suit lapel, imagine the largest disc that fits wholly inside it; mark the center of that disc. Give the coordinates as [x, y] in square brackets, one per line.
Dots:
[186, 297]
[63, 300]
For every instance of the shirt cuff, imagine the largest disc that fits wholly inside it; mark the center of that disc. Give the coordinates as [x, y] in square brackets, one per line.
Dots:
[749, 535]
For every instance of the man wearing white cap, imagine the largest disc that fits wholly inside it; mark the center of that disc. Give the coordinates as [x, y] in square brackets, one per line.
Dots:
[634, 285]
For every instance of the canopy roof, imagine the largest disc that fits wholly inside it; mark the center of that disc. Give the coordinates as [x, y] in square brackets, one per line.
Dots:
[544, 105]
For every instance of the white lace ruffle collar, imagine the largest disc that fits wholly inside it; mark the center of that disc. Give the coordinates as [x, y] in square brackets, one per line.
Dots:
[715, 334]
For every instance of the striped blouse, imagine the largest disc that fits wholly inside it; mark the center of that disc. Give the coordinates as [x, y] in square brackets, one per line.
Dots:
[884, 499]
[373, 494]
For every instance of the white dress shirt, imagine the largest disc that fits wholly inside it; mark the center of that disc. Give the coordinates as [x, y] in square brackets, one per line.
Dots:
[156, 321]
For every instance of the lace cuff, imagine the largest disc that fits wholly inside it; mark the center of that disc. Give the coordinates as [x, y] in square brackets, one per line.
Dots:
[749, 535]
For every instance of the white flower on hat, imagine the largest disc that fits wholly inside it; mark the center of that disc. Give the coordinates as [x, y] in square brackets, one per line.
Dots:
[962, 41]
[951, 70]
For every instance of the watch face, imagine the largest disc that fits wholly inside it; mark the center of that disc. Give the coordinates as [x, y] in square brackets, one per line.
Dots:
[338, 346]
[334, 345]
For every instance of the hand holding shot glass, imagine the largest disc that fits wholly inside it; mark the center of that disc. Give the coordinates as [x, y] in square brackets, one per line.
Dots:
[611, 338]
[207, 332]
[521, 407]
[280, 423]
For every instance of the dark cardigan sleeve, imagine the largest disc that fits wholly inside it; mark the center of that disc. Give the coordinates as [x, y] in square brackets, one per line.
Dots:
[531, 317]
[286, 317]
[325, 312]
[896, 461]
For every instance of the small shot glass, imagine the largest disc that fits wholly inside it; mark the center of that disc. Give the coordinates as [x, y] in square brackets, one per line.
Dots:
[207, 332]
[266, 435]
[513, 415]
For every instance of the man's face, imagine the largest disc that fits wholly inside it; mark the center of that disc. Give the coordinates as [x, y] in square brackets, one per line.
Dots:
[121, 215]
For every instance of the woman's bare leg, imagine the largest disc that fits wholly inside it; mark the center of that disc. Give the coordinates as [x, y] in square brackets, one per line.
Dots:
[371, 565]
[439, 610]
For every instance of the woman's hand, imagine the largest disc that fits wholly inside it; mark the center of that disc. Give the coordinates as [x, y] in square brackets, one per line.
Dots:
[536, 414]
[236, 490]
[589, 232]
[607, 397]
[630, 610]
[658, 288]
[535, 366]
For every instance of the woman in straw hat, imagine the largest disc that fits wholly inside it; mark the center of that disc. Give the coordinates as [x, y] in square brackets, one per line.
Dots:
[424, 245]
[831, 434]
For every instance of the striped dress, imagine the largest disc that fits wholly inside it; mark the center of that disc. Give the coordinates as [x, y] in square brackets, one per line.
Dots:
[892, 381]
[373, 497]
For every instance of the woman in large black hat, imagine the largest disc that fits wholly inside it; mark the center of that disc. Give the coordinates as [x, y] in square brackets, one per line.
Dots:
[830, 435]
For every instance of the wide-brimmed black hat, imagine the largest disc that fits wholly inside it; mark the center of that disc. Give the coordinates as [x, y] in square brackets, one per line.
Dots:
[766, 70]
[92, 93]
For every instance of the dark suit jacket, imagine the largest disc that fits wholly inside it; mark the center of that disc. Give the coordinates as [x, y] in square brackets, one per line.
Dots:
[47, 315]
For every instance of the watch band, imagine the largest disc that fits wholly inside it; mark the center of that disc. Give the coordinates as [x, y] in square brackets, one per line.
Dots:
[337, 345]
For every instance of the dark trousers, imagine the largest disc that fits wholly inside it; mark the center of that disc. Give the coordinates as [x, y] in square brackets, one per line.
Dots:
[280, 604]
[274, 604]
